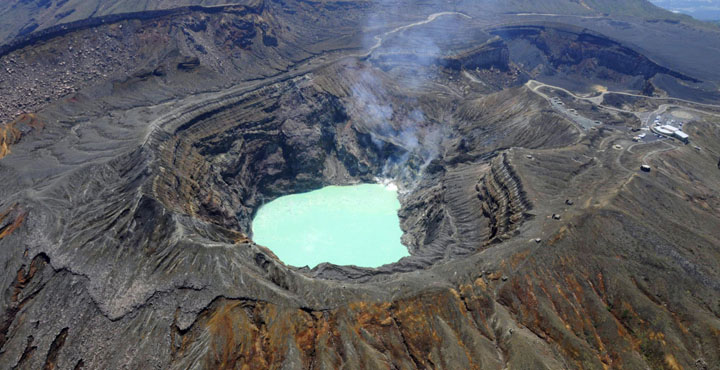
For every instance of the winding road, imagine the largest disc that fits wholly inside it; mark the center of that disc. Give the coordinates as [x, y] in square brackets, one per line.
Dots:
[645, 117]
[597, 100]
[381, 38]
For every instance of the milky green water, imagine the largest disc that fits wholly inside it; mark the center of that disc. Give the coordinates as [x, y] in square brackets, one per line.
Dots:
[345, 225]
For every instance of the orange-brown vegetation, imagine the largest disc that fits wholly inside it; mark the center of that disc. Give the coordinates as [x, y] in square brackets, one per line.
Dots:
[8, 228]
[10, 134]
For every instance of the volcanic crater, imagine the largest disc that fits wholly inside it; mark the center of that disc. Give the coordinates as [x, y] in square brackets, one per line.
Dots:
[535, 242]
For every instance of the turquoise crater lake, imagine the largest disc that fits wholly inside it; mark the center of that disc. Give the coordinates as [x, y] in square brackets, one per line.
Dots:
[345, 225]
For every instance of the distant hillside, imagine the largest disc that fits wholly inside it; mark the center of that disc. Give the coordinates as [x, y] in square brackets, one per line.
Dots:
[637, 8]
[700, 9]
[21, 17]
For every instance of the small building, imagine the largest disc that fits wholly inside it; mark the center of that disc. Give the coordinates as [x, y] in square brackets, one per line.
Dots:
[685, 138]
[645, 168]
[666, 130]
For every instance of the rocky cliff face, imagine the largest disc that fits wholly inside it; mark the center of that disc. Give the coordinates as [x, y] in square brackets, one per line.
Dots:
[149, 141]
[577, 54]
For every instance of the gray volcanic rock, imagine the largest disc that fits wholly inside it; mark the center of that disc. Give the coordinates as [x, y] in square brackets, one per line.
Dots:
[138, 149]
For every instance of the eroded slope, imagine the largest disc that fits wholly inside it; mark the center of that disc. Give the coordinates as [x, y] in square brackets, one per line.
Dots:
[126, 205]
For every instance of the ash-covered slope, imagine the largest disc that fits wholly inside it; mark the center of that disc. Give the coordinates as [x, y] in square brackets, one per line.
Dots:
[22, 17]
[137, 151]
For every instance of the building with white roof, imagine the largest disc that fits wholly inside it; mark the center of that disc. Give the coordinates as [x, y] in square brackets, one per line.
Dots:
[665, 130]
[672, 131]
[682, 136]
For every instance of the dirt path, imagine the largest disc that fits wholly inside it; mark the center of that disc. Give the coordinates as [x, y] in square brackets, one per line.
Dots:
[381, 38]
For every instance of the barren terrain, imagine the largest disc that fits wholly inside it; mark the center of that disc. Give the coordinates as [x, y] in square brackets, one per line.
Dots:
[137, 145]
